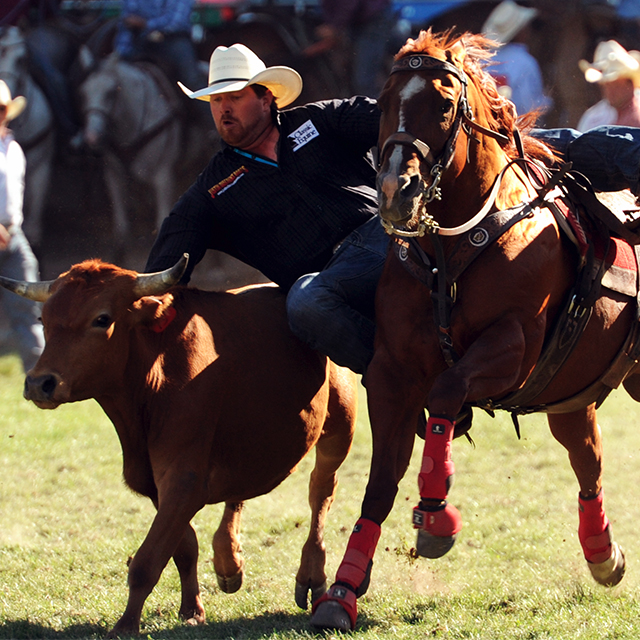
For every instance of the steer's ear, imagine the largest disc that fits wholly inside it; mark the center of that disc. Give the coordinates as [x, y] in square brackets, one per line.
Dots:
[154, 313]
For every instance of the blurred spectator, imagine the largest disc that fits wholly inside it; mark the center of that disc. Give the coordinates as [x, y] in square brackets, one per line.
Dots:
[617, 71]
[516, 71]
[16, 257]
[159, 31]
[364, 28]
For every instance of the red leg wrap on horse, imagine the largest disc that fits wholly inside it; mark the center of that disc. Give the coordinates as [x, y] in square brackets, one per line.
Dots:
[593, 530]
[354, 571]
[437, 466]
[355, 566]
[443, 521]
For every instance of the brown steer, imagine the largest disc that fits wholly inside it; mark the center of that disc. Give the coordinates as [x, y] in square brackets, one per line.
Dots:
[213, 400]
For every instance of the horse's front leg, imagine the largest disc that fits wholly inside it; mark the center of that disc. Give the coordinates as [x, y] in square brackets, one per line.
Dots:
[489, 367]
[579, 434]
[393, 408]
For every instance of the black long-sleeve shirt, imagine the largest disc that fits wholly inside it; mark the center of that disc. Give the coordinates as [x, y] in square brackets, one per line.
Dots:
[282, 218]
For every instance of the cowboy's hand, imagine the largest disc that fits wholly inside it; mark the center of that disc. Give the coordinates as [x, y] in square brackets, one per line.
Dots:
[4, 238]
[329, 38]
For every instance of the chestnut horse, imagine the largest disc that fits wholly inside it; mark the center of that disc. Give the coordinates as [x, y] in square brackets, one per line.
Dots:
[471, 329]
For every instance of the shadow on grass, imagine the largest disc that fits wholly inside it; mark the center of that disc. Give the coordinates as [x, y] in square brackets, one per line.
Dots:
[267, 625]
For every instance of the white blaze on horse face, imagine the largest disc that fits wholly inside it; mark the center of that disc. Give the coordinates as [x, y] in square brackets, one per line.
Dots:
[410, 90]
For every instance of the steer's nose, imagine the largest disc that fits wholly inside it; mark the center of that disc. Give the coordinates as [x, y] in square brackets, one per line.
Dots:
[40, 388]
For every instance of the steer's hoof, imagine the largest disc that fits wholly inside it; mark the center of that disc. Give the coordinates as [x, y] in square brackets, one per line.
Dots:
[230, 584]
[611, 571]
[302, 591]
[430, 546]
[331, 615]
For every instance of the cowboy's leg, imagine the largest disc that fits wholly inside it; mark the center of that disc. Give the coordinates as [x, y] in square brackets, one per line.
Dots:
[333, 310]
[608, 155]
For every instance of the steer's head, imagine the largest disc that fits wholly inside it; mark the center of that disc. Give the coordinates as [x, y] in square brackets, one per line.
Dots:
[87, 315]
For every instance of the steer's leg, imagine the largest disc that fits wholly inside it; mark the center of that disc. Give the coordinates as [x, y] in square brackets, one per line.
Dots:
[227, 554]
[331, 450]
[179, 499]
[186, 560]
[579, 433]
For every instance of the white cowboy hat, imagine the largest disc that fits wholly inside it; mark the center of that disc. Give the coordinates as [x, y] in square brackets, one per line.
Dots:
[14, 107]
[506, 20]
[236, 67]
[612, 61]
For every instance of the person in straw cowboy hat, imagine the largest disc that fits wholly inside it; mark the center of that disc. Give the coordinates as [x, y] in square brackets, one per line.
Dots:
[16, 257]
[516, 71]
[617, 72]
[292, 194]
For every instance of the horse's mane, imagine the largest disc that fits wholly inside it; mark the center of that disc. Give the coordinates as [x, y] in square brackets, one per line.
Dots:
[500, 111]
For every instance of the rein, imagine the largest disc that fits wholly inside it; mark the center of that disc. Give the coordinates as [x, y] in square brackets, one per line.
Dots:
[464, 119]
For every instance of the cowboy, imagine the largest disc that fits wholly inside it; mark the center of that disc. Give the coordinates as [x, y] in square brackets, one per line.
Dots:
[617, 72]
[292, 194]
[16, 257]
[515, 70]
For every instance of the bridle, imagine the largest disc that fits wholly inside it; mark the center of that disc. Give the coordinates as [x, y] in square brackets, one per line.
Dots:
[464, 119]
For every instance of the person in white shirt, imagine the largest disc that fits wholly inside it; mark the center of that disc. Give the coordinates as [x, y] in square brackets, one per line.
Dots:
[617, 72]
[17, 260]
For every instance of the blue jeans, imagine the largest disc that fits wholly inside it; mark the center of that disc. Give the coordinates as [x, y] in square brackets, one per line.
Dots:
[333, 310]
[609, 155]
[18, 262]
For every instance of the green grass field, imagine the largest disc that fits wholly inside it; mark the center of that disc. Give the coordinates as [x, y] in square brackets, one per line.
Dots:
[68, 526]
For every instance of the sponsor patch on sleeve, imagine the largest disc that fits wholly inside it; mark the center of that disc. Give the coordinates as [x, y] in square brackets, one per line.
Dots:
[229, 181]
[303, 134]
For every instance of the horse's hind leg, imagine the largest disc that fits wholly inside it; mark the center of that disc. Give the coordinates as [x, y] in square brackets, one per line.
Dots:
[227, 554]
[579, 433]
[331, 450]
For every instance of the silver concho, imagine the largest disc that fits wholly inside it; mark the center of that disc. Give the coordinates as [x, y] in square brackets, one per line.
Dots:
[403, 253]
[415, 62]
[478, 237]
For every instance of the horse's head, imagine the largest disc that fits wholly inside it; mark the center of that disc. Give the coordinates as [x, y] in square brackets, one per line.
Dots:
[98, 94]
[431, 115]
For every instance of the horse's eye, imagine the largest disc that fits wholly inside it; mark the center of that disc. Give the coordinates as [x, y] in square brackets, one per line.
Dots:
[447, 105]
[103, 321]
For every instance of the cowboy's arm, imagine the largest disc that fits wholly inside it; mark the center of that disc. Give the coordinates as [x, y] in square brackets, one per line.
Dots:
[176, 14]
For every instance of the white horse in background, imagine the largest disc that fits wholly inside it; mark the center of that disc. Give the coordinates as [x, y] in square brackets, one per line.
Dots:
[131, 119]
[33, 129]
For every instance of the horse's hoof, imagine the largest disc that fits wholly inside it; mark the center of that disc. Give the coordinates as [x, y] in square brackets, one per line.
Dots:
[230, 584]
[302, 590]
[331, 615]
[430, 546]
[611, 571]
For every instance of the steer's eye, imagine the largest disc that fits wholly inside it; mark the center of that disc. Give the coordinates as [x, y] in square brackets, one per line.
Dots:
[103, 321]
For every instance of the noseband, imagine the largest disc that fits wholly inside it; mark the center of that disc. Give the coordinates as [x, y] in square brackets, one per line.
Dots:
[438, 165]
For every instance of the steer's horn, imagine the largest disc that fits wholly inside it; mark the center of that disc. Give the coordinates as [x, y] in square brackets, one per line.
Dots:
[155, 284]
[38, 291]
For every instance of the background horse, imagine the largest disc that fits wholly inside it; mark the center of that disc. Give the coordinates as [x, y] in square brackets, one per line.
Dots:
[131, 115]
[496, 283]
[33, 128]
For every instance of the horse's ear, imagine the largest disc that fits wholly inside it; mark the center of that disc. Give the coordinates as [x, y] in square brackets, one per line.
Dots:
[456, 54]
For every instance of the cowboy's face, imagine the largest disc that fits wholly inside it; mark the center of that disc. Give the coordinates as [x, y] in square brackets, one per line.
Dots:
[241, 116]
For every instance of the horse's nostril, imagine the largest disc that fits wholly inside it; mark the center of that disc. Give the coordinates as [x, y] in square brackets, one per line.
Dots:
[410, 187]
